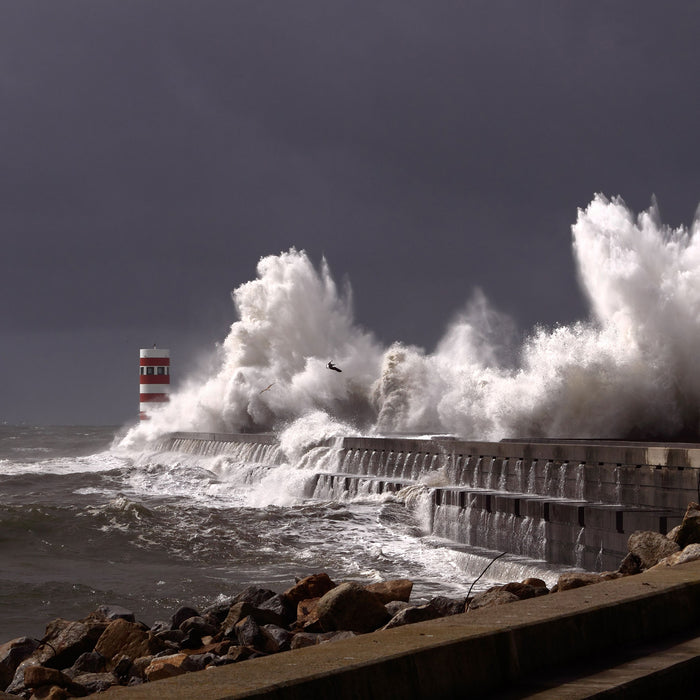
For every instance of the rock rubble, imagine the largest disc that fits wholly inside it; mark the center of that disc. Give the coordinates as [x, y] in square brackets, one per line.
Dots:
[110, 647]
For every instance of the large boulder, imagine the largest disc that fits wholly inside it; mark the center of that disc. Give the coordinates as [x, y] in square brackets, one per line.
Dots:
[535, 582]
[313, 586]
[351, 606]
[42, 676]
[396, 589]
[688, 531]
[523, 590]
[650, 547]
[12, 654]
[65, 641]
[491, 598]
[123, 638]
[447, 606]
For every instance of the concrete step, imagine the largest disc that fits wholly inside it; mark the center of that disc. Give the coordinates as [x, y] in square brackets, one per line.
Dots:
[671, 667]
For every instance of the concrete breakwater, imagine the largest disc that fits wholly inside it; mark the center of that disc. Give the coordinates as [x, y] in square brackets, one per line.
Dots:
[570, 503]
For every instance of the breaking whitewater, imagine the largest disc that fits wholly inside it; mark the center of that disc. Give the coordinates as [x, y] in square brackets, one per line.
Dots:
[98, 515]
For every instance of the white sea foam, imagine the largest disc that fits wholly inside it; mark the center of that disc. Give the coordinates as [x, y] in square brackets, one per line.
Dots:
[627, 371]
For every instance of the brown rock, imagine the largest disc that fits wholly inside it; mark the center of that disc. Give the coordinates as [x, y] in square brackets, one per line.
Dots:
[535, 582]
[576, 580]
[689, 530]
[36, 676]
[12, 654]
[65, 641]
[307, 615]
[397, 589]
[167, 667]
[239, 653]
[314, 586]
[650, 547]
[490, 598]
[522, 590]
[127, 638]
[351, 606]
[219, 648]
[51, 692]
[43, 677]
[304, 639]
[630, 565]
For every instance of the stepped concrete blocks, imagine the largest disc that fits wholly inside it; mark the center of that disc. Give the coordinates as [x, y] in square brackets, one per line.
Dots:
[624, 487]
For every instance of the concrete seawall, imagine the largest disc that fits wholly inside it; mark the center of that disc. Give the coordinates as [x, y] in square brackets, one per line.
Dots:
[571, 503]
[634, 637]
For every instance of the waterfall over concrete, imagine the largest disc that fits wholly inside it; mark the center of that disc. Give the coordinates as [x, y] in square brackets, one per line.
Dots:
[571, 504]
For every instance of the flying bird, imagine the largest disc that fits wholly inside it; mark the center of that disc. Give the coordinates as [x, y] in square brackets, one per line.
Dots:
[330, 365]
[267, 387]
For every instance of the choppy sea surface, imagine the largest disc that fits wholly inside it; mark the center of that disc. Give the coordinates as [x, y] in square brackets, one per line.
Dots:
[83, 523]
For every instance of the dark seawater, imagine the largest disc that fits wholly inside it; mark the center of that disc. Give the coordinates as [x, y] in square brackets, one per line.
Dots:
[83, 524]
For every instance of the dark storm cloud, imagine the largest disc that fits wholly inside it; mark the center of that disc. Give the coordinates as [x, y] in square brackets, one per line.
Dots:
[152, 152]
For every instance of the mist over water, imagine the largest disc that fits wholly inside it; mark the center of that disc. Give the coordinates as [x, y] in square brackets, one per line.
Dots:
[627, 371]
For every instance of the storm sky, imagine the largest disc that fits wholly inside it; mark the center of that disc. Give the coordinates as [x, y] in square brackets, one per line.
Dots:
[153, 152]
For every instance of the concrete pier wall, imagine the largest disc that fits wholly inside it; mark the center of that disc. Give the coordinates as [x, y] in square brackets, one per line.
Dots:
[569, 503]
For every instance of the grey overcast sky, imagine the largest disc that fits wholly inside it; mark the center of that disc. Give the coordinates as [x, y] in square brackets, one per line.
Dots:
[151, 152]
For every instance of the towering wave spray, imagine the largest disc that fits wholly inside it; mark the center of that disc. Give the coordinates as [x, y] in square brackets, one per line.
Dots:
[629, 371]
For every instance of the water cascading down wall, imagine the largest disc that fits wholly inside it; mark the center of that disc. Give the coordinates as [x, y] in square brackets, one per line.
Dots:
[569, 503]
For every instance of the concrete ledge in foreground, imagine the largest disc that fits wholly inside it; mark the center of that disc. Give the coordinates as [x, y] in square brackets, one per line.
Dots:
[474, 654]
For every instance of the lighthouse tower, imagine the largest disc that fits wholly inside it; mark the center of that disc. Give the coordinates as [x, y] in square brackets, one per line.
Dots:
[154, 378]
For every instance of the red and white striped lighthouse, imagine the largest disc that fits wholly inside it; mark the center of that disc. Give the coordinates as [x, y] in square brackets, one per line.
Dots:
[154, 378]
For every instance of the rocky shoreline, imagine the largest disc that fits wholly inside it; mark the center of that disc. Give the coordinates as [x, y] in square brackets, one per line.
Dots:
[110, 647]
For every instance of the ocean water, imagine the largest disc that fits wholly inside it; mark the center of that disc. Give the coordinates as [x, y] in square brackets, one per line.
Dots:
[84, 521]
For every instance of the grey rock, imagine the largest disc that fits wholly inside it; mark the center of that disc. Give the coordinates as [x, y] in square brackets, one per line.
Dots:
[112, 612]
[650, 547]
[416, 613]
[253, 595]
[491, 598]
[182, 614]
[12, 654]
